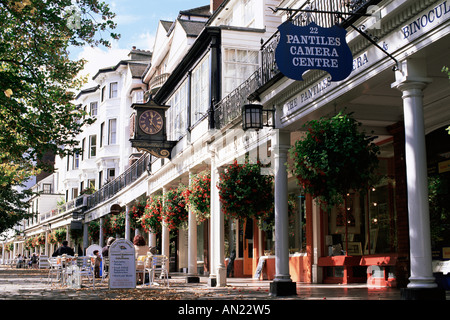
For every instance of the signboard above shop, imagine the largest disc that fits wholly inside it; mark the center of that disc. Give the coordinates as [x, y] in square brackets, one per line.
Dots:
[312, 47]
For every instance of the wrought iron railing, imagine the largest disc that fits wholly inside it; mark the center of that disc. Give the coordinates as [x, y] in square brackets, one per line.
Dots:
[324, 13]
[132, 174]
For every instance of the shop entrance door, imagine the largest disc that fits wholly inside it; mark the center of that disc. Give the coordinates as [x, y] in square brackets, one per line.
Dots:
[248, 247]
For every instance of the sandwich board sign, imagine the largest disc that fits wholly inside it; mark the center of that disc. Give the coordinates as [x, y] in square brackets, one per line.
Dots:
[313, 47]
[122, 265]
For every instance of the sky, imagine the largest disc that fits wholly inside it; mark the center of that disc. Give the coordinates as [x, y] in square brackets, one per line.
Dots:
[137, 21]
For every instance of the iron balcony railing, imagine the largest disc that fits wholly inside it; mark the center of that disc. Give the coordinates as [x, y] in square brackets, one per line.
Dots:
[132, 174]
[86, 201]
[324, 13]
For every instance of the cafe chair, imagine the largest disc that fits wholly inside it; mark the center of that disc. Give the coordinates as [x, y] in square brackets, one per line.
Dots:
[157, 264]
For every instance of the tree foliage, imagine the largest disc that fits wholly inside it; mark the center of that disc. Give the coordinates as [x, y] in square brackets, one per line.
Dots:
[37, 84]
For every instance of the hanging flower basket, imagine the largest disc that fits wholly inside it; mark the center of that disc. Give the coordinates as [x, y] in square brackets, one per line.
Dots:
[29, 243]
[245, 193]
[39, 240]
[152, 217]
[136, 212]
[51, 238]
[117, 223]
[175, 214]
[94, 230]
[198, 195]
[334, 158]
[60, 235]
[107, 226]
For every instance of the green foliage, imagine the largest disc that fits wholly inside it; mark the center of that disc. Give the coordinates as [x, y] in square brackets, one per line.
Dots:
[438, 195]
[152, 217]
[198, 195]
[334, 158]
[245, 193]
[175, 214]
[136, 212]
[37, 80]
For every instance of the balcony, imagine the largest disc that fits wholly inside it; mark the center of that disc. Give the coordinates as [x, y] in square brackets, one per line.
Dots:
[110, 189]
[340, 12]
[157, 82]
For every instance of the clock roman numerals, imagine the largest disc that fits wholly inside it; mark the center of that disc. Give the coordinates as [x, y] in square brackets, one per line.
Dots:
[150, 122]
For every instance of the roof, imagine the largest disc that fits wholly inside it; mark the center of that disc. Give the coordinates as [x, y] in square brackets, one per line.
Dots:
[192, 28]
[86, 91]
[135, 65]
[203, 11]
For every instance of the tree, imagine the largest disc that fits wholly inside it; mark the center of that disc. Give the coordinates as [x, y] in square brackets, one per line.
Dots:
[37, 84]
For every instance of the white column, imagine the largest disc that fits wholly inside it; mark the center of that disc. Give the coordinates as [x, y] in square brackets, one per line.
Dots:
[151, 239]
[282, 284]
[280, 149]
[101, 236]
[411, 82]
[192, 243]
[127, 223]
[218, 228]
[85, 236]
[165, 235]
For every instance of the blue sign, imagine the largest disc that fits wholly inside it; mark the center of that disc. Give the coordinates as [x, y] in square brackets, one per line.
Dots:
[313, 47]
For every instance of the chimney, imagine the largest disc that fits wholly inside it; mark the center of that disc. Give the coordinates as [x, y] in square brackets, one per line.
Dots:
[214, 4]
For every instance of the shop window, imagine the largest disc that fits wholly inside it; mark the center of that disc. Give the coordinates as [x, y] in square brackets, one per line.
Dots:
[297, 223]
[366, 222]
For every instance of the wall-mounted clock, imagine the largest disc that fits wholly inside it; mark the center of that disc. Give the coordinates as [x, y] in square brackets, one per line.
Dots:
[148, 126]
[150, 122]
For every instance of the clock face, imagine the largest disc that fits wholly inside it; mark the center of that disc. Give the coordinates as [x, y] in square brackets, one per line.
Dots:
[150, 122]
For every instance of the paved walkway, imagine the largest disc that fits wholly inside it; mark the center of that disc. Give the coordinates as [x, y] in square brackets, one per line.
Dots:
[241, 298]
[31, 284]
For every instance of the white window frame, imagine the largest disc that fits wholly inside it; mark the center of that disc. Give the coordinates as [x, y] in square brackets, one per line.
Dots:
[238, 68]
[92, 146]
[177, 113]
[113, 90]
[93, 108]
[200, 92]
[112, 131]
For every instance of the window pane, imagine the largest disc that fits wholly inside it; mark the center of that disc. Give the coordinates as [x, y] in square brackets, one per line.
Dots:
[113, 90]
[93, 108]
[92, 146]
[112, 131]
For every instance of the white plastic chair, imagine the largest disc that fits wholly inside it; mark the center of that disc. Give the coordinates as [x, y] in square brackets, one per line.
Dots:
[157, 264]
[55, 269]
[140, 267]
[105, 267]
[86, 269]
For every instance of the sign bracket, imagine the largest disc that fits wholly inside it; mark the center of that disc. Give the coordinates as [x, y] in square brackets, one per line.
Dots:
[339, 13]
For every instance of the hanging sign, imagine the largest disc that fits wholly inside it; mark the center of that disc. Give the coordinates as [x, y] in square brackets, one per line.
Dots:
[122, 265]
[313, 47]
